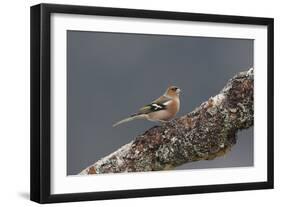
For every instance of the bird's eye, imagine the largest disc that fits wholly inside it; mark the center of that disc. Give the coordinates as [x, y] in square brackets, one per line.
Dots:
[174, 89]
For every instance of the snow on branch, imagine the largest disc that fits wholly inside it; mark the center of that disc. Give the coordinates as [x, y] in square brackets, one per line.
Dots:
[205, 133]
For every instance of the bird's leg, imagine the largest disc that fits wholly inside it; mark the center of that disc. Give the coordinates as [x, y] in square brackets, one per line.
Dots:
[172, 123]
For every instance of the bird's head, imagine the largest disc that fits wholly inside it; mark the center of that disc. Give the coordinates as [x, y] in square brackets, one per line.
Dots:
[173, 91]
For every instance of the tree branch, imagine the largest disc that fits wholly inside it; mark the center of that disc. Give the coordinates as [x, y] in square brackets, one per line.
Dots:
[205, 133]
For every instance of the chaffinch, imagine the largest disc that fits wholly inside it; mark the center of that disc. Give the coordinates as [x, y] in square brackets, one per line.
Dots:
[162, 109]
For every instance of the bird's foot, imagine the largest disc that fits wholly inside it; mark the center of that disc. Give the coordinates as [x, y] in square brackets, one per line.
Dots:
[172, 123]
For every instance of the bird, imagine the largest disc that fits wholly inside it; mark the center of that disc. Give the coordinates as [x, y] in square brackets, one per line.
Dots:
[162, 109]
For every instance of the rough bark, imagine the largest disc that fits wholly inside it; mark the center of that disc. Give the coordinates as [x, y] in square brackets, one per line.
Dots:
[205, 133]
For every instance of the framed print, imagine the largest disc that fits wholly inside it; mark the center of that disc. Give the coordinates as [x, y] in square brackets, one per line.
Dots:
[132, 103]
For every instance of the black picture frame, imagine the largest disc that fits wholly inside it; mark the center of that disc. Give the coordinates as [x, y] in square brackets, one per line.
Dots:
[40, 184]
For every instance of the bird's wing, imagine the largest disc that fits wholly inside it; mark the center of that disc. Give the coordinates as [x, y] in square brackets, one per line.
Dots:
[156, 105]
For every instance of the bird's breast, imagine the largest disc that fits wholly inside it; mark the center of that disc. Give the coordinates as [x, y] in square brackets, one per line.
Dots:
[174, 106]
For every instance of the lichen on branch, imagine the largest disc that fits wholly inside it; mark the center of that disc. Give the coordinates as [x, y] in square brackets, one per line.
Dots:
[205, 133]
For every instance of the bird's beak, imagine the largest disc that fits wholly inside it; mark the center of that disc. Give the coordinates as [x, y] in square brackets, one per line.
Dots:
[178, 91]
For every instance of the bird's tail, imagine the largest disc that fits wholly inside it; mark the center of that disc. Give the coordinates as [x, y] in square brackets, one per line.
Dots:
[131, 118]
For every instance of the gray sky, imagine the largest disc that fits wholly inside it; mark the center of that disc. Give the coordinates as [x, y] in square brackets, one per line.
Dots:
[111, 75]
